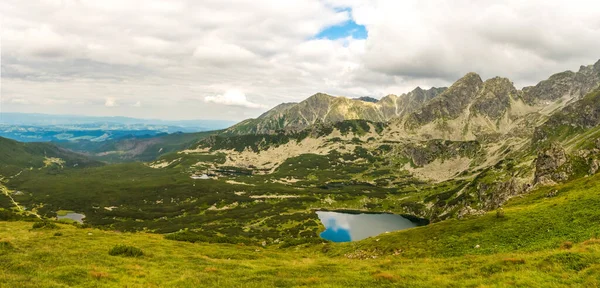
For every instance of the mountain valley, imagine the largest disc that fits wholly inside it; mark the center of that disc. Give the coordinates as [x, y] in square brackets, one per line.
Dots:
[499, 181]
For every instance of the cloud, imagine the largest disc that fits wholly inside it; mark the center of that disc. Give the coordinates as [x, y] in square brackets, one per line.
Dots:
[232, 98]
[181, 50]
[137, 104]
[522, 40]
[110, 102]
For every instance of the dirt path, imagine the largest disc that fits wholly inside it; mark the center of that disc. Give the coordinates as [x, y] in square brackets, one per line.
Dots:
[7, 193]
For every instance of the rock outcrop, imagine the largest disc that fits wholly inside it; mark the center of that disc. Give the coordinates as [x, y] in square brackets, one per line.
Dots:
[551, 165]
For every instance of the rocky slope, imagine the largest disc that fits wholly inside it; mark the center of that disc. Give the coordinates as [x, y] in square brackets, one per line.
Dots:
[492, 109]
[323, 108]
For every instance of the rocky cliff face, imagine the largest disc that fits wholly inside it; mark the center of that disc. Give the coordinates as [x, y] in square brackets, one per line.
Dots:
[551, 165]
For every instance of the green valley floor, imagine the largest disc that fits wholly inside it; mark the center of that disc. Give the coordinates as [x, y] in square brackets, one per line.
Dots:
[547, 238]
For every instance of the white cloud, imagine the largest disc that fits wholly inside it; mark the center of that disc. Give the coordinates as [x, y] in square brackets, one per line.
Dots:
[523, 40]
[232, 98]
[170, 53]
[110, 102]
[137, 104]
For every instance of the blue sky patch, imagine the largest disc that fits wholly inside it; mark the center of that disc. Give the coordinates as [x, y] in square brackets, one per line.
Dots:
[348, 28]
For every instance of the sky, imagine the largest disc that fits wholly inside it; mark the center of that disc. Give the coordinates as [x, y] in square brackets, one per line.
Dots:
[234, 59]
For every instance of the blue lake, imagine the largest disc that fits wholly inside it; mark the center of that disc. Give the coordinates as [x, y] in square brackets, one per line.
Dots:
[345, 227]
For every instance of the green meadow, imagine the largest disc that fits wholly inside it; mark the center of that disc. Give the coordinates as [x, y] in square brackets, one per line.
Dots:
[548, 238]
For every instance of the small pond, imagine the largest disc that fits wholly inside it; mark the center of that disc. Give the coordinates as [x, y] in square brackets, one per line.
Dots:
[345, 227]
[73, 216]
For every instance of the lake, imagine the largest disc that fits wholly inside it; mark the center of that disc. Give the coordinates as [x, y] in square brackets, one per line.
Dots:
[345, 227]
[73, 216]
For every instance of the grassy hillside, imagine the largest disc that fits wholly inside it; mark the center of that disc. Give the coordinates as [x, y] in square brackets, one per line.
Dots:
[544, 239]
[16, 156]
[135, 148]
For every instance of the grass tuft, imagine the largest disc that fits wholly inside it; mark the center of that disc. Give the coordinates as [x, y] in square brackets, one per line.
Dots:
[124, 250]
[98, 274]
[44, 225]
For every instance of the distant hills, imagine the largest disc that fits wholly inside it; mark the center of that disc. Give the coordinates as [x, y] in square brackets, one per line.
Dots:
[16, 156]
[34, 119]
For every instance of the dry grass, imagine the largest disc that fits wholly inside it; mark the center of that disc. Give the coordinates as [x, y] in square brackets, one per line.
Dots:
[98, 274]
[386, 276]
[514, 260]
[592, 241]
[210, 269]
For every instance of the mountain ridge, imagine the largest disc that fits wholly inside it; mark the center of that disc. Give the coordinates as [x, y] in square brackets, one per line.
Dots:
[324, 108]
[470, 108]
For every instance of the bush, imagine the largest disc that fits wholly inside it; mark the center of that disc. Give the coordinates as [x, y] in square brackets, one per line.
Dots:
[124, 250]
[44, 225]
[566, 245]
[500, 213]
[6, 245]
[301, 241]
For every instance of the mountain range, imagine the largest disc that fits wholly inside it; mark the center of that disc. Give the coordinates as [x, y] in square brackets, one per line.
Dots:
[467, 109]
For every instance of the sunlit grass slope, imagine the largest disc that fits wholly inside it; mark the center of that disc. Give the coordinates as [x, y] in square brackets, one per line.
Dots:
[545, 239]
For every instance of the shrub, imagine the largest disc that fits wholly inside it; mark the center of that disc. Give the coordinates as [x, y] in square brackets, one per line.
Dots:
[573, 261]
[301, 241]
[44, 225]
[124, 250]
[5, 245]
[500, 213]
[566, 245]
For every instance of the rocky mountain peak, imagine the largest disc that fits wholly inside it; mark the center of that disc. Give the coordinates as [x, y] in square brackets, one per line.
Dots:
[417, 90]
[319, 97]
[471, 77]
[449, 104]
[494, 98]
